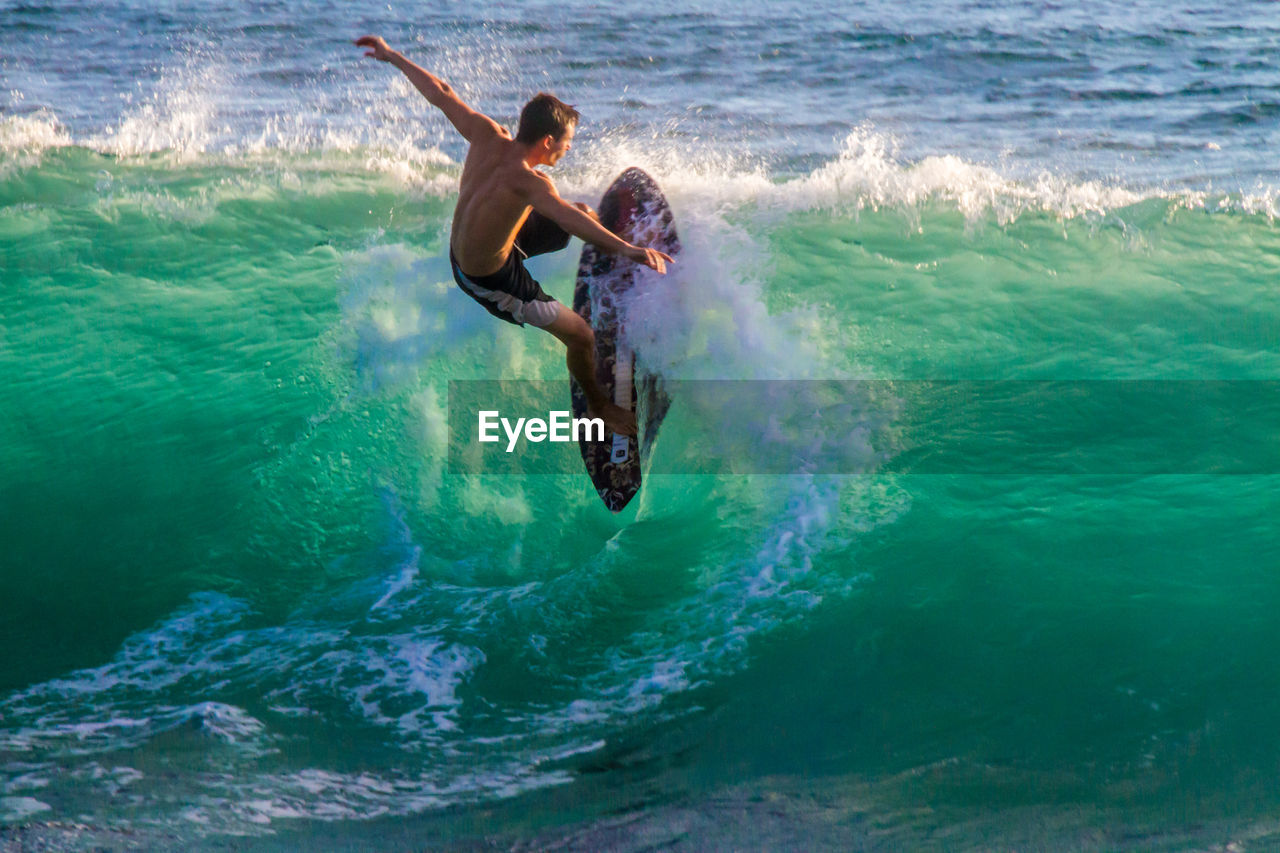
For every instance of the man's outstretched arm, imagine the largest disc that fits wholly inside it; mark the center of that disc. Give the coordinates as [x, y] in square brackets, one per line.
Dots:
[468, 122]
[541, 193]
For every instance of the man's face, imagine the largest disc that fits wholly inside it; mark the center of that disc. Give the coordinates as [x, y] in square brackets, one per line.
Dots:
[560, 147]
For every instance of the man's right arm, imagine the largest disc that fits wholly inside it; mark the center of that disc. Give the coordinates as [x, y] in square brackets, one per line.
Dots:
[439, 93]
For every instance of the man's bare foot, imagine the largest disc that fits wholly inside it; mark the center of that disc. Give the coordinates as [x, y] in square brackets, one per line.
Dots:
[616, 418]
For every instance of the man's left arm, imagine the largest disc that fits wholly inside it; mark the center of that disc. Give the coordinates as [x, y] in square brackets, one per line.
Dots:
[542, 195]
[440, 94]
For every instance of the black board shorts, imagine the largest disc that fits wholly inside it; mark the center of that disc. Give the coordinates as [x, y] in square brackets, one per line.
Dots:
[511, 293]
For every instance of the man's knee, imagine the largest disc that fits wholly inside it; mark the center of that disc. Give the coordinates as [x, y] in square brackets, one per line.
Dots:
[582, 336]
[573, 331]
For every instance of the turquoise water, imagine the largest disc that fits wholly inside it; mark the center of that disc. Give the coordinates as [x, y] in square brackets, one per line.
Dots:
[243, 592]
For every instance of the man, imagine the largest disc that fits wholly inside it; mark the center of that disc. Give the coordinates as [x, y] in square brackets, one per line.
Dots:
[508, 210]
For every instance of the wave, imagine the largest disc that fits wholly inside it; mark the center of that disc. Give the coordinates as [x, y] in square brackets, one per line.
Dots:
[867, 171]
[398, 653]
[488, 656]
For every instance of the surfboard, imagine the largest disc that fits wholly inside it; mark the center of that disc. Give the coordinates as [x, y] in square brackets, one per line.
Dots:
[633, 208]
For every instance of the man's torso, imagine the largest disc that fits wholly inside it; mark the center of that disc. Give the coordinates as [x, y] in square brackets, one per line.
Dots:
[490, 209]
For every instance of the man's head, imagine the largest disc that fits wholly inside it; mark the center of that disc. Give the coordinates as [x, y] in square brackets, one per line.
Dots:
[547, 120]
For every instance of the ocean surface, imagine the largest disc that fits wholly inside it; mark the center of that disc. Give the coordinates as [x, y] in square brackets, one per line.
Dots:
[246, 602]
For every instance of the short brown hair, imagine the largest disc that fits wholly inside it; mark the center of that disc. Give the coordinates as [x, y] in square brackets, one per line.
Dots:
[545, 115]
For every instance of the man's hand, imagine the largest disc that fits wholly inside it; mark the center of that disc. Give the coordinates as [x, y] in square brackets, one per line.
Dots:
[437, 92]
[377, 47]
[651, 258]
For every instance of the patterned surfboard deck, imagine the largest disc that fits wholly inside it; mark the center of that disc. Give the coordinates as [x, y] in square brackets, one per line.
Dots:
[633, 208]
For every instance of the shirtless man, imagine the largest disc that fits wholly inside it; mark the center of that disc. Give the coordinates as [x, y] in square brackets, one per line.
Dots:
[508, 210]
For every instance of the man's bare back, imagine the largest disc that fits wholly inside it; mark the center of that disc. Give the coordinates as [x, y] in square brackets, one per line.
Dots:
[500, 185]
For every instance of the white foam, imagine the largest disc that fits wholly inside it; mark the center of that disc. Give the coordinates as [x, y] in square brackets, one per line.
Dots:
[190, 112]
[219, 720]
[707, 318]
[32, 133]
[180, 115]
[417, 673]
[16, 809]
[1262, 200]
[405, 313]
[867, 172]
[202, 645]
[28, 777]
[407, 570]
[430, 427]
[239, 804]
[25, 138]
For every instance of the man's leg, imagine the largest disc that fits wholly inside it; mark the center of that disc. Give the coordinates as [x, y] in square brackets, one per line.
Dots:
[580, 345]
